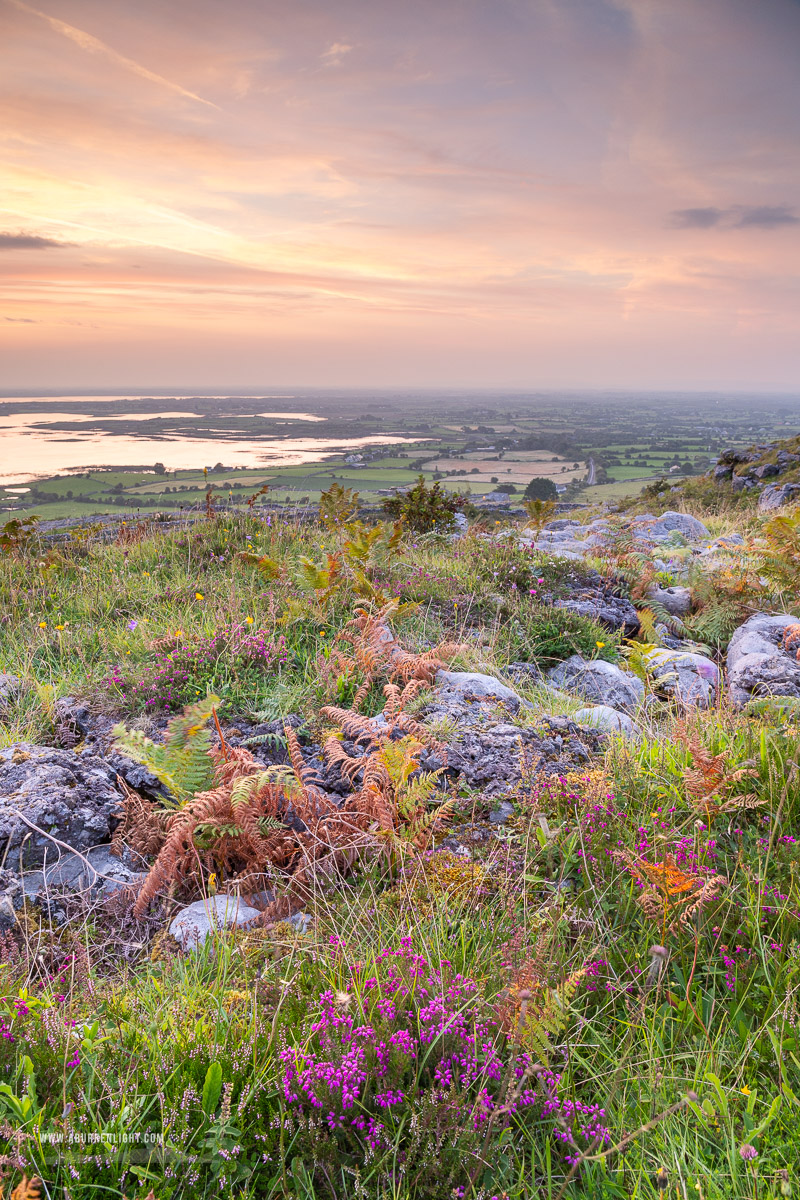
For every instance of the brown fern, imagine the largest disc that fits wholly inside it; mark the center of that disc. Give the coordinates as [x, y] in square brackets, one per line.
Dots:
[253, 822]
[710, 778]
[229, 822]
[26, 1189]
[142, 827]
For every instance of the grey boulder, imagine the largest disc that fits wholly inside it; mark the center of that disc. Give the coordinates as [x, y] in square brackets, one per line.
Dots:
[599, 681]
[95, 871]
[758, 664]
[660, 529]
[461, 686]
[613, 612]
[69, 796]
[691, 679]
[677, 601]
[606, 719]
[193, 924]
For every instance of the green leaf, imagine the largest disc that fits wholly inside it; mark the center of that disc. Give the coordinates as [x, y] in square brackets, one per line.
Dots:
[212, 1089]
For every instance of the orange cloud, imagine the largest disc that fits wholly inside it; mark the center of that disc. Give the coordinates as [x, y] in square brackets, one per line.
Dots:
[497, 182]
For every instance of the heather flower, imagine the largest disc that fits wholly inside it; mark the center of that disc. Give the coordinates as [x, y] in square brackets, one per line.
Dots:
[188, 670]
[422, 1041]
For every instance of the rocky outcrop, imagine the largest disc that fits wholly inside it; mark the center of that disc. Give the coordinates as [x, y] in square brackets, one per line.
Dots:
[759, 662]
[661, 529]
[600, 604]
[68, 796]
[572, 540]
[491, 757]
[773, 470]
[778, 494]
[598, 681]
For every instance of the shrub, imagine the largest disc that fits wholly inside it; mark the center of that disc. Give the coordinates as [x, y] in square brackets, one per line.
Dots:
[424, 508]
[406, 1053]
[508, 568]
[540, 488]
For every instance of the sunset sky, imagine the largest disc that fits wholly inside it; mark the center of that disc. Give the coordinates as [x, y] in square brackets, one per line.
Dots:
[523, 193]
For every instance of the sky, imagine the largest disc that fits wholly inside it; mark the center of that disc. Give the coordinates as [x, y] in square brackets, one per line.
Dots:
[362, 193]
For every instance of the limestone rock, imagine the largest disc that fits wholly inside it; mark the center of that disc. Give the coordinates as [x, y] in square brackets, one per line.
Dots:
[677, 601]
[610, 720]
[778, 494]
[71, 796]
[12, 897]
[691, 679]
[461, 686]
[192, 925]
[490, 757]
[97, 870]
[659, 529]
[613, 612]
[599, 681]
[758, 665]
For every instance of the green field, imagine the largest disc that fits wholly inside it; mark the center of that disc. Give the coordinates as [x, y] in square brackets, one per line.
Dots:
[469, 443]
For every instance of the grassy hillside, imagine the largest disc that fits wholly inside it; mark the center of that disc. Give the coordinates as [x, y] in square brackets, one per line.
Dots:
[590, 993]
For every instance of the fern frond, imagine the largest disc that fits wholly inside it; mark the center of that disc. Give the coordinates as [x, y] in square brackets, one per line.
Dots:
[541, 1025]
[264, 565]
[181, 762]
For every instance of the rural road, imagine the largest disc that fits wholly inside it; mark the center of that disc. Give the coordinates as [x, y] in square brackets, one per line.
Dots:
[590, 477]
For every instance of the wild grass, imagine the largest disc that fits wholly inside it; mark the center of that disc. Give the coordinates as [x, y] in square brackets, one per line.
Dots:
[599, 1000]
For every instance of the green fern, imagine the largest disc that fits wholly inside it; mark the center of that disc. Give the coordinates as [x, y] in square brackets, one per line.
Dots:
[647, 625]
[541, 1026]
[780, 560]
[207, 833]
[663, 616]
[715, 624]
[181, 762]
[338, 505]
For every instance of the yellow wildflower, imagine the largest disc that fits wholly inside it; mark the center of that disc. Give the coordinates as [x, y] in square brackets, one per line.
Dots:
[198, 596]
[59, 627]
[745, 1090]
[600, 645]
[249, 620]
[43, 624]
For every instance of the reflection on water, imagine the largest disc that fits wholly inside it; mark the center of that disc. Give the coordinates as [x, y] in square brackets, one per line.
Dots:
[29, 450]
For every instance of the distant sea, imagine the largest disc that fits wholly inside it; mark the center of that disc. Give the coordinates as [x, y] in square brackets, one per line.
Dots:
[46, 435]
[42, 436]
